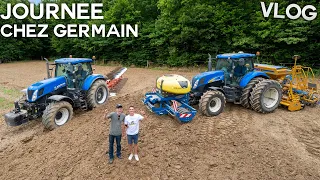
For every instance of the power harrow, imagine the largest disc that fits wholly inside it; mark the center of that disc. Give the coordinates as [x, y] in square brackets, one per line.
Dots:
[298, 84]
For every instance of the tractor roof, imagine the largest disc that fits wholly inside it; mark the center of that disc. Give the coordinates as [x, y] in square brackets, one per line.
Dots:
[72, 60]
[235, 55]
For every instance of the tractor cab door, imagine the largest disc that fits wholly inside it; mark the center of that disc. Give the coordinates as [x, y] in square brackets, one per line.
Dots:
[240, 68]
[81, 72]
[65, 70]
[226, 66]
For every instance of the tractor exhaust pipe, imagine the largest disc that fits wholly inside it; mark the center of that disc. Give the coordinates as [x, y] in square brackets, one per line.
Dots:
[48, 68]
[210, 63]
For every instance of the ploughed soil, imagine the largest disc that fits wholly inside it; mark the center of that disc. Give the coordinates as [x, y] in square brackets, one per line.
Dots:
[237, 144]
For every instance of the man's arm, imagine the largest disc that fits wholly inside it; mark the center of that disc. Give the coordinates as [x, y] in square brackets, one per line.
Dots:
[107, 115]
[143, 115]
[123, 129]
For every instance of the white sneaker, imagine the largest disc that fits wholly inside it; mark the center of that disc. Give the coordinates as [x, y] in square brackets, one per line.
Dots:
[136, 157]
[130, 157]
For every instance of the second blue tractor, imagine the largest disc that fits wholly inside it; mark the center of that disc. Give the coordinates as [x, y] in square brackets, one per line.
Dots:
[234, 80]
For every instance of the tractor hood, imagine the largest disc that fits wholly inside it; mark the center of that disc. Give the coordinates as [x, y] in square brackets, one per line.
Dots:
[205, 78]
[42, 88]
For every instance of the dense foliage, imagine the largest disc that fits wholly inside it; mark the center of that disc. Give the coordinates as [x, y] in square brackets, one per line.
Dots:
[177, 33]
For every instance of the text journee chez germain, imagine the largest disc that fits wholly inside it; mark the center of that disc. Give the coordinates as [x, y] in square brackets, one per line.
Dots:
[81, 11]
[94, 11]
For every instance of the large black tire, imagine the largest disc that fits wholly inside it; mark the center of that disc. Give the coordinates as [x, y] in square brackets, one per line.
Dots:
[245, 97]
[57, 114]
[98, 94]
[266, 96]
[212, 103]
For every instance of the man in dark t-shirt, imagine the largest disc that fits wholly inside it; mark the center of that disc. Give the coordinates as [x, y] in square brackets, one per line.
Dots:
[116, 130]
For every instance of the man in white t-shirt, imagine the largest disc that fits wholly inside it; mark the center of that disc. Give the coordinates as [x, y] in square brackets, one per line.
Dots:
[132, 124]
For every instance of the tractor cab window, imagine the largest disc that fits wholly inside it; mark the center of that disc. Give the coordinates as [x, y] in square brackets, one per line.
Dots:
[74, 73]
[64, 70]
[224, 65]
[83, 70]
[242, 66]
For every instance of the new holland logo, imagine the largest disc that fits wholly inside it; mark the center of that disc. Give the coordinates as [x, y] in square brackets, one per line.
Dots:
[60, 86]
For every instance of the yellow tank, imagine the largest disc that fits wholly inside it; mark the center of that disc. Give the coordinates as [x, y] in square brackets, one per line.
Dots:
[174, 84]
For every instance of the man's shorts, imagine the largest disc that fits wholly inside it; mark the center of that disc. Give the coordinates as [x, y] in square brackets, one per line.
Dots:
[133, 139]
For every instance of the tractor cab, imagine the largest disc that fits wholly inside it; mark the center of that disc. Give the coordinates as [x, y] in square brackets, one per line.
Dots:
[74, 70]
[235, 66]
[230, 70]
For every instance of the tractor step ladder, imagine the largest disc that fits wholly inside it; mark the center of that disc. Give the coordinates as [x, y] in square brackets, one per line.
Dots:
[83, 103]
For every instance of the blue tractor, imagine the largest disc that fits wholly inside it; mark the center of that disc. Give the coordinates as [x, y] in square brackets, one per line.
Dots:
[234, 80]
[74, 86]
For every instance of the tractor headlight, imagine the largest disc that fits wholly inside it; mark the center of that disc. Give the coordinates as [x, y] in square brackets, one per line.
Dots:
[195, 84]
[35, 95]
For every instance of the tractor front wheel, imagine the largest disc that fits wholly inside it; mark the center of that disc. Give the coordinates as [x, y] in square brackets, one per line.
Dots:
[97, 94]
[212, 103]
[57, 114]
[266, 96]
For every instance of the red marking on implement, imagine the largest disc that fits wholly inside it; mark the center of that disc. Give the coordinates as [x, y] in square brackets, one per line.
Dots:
[153, 90]
[185, 115]
[175, 105]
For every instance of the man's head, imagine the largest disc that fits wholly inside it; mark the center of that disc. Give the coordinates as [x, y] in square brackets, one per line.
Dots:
[131, 110]
[119, 108]
[80, 67]
[241, 62]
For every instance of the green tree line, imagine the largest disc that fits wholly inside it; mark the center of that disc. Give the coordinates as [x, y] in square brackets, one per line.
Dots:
[176, 33]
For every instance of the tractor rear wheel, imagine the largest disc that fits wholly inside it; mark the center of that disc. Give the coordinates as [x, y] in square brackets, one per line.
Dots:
[57, 114]
[212, 103]
[266, 96]
[97, 94]
[245, 97]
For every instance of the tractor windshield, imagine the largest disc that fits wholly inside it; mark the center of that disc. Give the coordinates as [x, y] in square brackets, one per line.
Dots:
[75, 73]
[224, 64]
[235, 69]
[64, 70]
[228, 64]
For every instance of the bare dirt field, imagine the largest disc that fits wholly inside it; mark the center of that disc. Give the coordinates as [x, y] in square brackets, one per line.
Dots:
[238, 144]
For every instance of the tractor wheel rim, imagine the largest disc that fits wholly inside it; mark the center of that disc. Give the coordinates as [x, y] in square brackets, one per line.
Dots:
[215, 104]
[62, 116]
[101, 95]
[270, 97]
